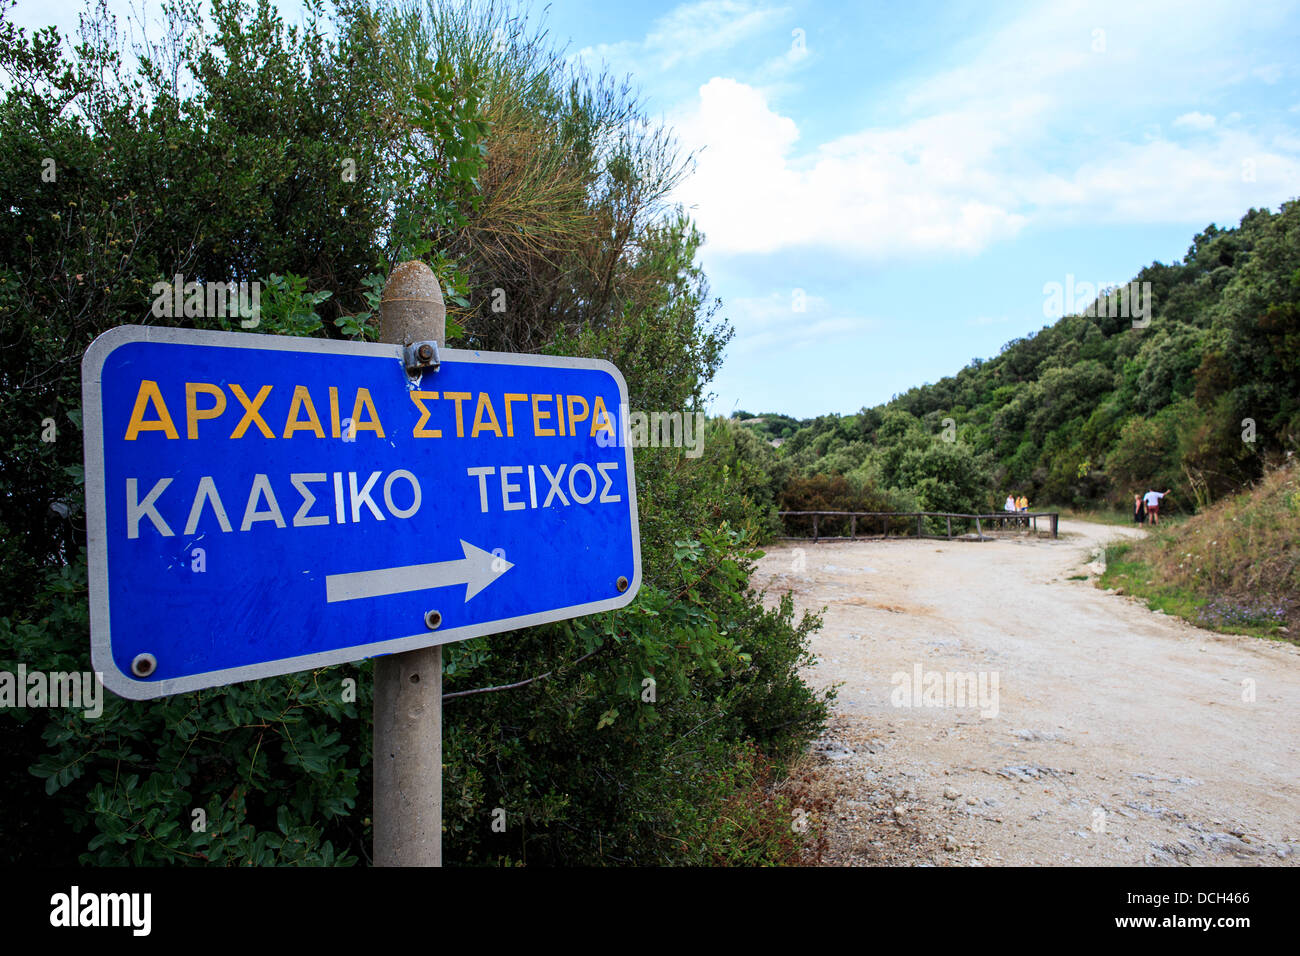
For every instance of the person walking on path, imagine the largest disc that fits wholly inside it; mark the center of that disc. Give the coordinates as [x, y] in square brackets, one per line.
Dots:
[1152, 500]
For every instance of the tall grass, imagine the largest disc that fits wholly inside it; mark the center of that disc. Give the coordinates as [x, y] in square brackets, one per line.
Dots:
[1234, 567]
[576, 174]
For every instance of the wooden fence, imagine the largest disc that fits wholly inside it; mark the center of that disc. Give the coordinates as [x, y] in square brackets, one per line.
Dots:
[1027, 520]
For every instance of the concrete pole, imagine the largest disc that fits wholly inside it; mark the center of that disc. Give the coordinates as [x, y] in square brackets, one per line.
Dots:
[408, 687]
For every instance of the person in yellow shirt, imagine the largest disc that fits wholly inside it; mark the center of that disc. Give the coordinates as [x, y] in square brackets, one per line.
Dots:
[1022, 503]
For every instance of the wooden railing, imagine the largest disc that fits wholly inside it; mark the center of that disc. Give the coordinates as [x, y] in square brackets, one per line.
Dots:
[1000, 520]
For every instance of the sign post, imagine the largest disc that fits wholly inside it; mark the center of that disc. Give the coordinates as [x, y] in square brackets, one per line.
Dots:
[262, 504]
[407, 757]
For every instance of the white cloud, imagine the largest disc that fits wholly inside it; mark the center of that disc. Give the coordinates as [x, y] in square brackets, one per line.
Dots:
[796, 56]
[1269, 74]
[688, 32]
[872, 193]
[790, 319]
[1154, 52]
[1194, 120]
[1035, 126]
[709, 26]
[1160, 181]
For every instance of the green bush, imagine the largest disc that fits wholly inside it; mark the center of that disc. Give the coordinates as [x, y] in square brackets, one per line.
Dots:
[1201, 398]
[478, 148]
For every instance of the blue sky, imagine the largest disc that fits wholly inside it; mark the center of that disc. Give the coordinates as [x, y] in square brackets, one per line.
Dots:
[914, 174]
[921, 171]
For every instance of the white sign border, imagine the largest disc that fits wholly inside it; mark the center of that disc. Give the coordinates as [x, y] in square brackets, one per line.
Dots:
[124, 685]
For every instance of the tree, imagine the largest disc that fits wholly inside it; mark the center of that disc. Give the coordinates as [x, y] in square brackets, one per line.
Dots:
[312, 160]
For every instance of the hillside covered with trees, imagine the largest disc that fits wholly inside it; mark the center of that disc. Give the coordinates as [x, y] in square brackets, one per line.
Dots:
[1200, 399]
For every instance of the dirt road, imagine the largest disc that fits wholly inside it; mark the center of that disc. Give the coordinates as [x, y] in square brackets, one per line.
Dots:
[1104, 734]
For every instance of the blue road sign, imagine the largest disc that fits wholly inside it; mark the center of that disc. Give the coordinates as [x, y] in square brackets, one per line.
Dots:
[262, 504]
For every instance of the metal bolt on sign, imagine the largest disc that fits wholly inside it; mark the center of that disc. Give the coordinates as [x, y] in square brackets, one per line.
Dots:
[419, 356]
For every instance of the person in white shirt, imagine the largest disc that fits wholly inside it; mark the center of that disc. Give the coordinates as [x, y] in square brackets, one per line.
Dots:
[1152, 499]
[1010, 504]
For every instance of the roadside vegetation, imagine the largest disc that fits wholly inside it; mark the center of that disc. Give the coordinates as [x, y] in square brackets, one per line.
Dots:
[314, 159]
[1100, 515]
[1121, 517]
[1235, 567]
[1083, 414]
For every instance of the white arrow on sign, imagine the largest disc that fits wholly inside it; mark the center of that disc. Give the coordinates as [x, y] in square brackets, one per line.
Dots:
[476, 571]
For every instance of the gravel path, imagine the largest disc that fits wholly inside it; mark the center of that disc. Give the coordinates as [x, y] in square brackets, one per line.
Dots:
[1105, 733]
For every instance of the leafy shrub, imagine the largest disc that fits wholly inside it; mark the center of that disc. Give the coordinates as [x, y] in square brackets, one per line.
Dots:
[479, 149]
[1203, 399]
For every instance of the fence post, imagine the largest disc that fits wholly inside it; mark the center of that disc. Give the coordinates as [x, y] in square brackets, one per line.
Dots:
[853, 527]
[949, 519]
[814, 529]
[978, 531]
[918, 527]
